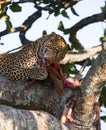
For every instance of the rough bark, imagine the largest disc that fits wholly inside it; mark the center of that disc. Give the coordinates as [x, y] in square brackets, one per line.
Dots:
[81, 55]
[87, 98]
[39, 96]
[83, 23]
[14, 119]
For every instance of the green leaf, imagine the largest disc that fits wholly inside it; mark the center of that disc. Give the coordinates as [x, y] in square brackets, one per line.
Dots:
[102, 98]
[61, 26]
[69, 69]
[102, 39]
[53, 5]
[64, 13]
[65, 0]
[74, 12]
[103, 118]
[103, 9]
[66, 31]
[77, 46]
[7, 21]
[44, 32]
[46, 2]
[15, 7]
[56, 13]
[8, 24]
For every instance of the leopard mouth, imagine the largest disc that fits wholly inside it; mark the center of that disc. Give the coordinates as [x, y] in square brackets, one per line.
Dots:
[57, 71]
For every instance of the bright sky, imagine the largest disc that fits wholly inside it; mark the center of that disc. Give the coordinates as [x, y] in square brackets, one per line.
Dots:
[88, 36]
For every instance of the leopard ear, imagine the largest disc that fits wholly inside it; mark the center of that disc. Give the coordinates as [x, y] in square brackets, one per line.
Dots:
[53, 34]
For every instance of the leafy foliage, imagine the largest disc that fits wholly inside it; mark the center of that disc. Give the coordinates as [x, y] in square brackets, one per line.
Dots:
[64, 14]
[7, 21]
[103, 9]
[8, 24]
[74, 12]
[56, 8]
[57, 13]
[15, 7]
[69, 69]
[103, 118]
[61, 28]
[44, 32]
[102, 99]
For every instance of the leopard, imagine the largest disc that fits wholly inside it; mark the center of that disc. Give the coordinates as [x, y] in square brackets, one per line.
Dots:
[29, 62]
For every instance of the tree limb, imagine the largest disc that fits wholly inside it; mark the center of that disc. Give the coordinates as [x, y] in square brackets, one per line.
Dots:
[84, 22]
[12, 30]
[42, 97]
[31, 19]
[81, 55]
[28, 23]
[38, 96]
[76, 57]
[15, 119]
[23, 28]
[84, 112]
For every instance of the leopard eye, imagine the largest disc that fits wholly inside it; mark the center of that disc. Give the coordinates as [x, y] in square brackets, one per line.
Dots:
[45, 50]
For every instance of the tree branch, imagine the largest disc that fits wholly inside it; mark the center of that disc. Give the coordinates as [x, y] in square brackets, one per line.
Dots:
[23, 28]
[38, 96]
[22, 1]
[84, 112]
[70, 4]
[28, 23]
[12, 30]
[84, 22]
[81, 55]
[58, 4]
[12, 119]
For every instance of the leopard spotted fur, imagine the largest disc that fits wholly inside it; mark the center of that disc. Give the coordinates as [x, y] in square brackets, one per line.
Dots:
[27, 63]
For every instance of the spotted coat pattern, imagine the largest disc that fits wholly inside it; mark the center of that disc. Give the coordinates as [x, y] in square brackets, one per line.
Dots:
[27, 63]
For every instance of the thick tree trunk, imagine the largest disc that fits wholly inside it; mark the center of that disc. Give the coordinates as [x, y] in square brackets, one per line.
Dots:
[39, 96]
[86, 108]
[14, 119]
[42, 97]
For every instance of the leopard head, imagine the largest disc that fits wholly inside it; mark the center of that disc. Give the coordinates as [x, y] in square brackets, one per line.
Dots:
[54, 48]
